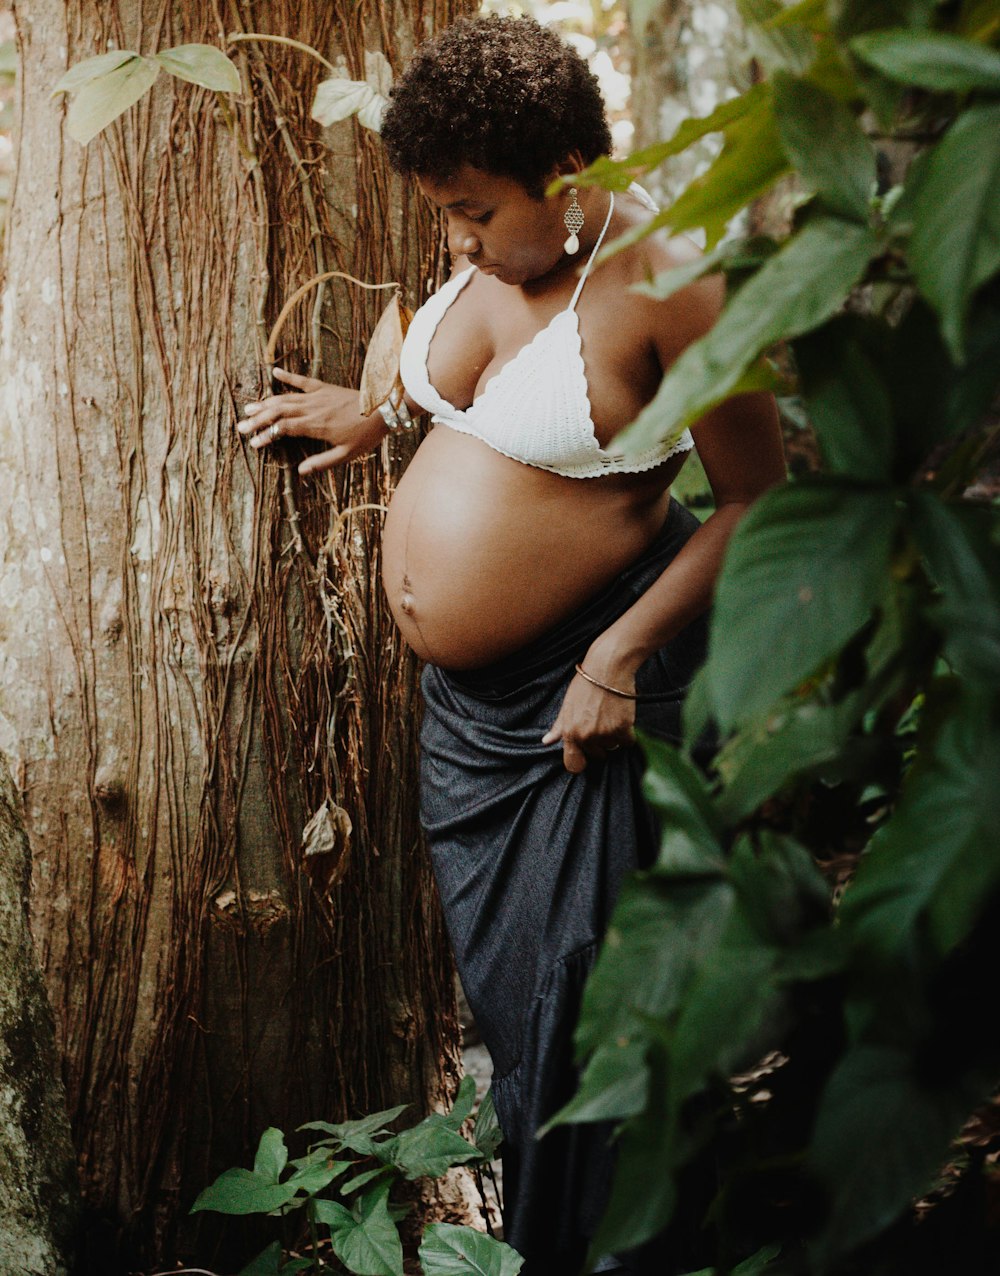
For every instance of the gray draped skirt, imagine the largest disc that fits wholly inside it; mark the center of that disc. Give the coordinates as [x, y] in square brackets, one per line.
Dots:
[529, 860]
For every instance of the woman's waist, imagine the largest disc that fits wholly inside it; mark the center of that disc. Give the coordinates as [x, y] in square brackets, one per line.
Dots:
[564, 641]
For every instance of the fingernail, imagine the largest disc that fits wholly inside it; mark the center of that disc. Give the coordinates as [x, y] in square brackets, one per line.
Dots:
[250, 409]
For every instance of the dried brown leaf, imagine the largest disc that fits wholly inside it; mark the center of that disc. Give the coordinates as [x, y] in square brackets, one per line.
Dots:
[380, 375]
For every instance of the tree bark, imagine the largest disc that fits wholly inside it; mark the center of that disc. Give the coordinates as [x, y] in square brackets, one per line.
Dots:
[195, 655]
[38, 1191]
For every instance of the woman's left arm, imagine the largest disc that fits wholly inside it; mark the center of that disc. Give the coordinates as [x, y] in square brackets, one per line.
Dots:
[739, 444]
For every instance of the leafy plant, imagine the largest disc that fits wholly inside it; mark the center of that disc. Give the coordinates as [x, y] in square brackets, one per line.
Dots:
[358, 1220]
[826, 897]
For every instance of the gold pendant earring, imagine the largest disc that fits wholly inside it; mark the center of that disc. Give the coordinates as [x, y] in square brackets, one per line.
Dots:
[573, 220]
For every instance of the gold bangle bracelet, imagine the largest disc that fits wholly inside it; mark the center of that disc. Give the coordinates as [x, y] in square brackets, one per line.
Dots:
[625, 695]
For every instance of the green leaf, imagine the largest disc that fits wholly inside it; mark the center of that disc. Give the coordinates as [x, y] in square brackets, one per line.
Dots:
[272, 1155]
[239, 1191]
[796, 738]
[618, 174]
[359, 1180]
[358, 1135]
[939, 855]
[880, 1137]
[955, 244]
[429, 1149]
[690, 830]
[848, 400]
[267, 1262]
[643, 1190]
[660, 931]
[82, 73]
[727, 1010]
[464, 1099]
[202, 64]
[450, 1250]
[750, 162]
[366, 1241]
[487, 1134]
[826, 145]
[103, 98]
[757, 1263]
[795, 291]
[937, 61]
[961, 547]
[808, 563]
[614, 1085]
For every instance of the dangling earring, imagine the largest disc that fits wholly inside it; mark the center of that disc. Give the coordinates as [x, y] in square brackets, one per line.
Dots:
[573, 219]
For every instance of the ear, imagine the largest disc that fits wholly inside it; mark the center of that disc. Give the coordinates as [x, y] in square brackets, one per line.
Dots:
[570, 164]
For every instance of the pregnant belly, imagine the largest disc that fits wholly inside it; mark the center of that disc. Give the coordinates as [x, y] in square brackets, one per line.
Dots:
[481, 554]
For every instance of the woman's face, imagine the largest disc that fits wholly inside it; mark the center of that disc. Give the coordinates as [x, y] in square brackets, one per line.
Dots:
[494, 222]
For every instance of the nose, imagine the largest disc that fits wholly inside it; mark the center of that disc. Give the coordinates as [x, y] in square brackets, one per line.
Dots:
[461, 240]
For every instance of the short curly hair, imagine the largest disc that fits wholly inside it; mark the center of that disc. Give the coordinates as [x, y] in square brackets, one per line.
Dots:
[503, 94]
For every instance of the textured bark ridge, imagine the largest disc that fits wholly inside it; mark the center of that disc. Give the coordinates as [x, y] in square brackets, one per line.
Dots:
[37, 1176]
[196, 659]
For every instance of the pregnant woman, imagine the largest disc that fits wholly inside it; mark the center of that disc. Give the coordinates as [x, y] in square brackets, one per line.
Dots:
[556, 591]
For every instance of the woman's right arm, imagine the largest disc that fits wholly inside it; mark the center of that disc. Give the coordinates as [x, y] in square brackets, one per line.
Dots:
[328, 413]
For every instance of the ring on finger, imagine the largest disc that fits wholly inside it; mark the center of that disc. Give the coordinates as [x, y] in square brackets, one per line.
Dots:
[275, 432]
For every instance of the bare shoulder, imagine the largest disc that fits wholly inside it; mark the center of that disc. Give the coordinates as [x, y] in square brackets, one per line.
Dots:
[686, 314]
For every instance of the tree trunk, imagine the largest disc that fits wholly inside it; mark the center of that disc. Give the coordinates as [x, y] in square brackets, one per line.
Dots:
[195, 655]
[689, 57]
[38, 1194]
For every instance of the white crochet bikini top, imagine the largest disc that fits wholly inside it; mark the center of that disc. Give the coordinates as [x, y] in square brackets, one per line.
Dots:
[536, 409]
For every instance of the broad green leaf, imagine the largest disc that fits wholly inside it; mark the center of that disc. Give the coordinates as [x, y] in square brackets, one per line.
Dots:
[428, 1150]
[880, 1138]
[750, 162]
[312, 1179]
[939, 855]
[464, 1100]
[368, 1244]
[933, 400]
[824, 142]
[450, 1250]
[360, 1180]
[808, 563]
[272, 1155]
[105, 97]
[643, 1191]
[337, 99]
[931, 60]
[614, 1085]
[961, 547]
[796, 290]
[660, 931]
[357, 1135]
[239, 1191]
[796, 738]
[776, 45]
[781, 892]
[848, 400]
[487, 1134]
[618, 174]
[267, 1263]
[852, 17]
[727, 1011]
[955, 244]
[82, 73]
[202, 64]
[757, 1263]
[690, 830]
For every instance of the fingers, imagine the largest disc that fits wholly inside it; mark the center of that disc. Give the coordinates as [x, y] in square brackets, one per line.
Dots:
[325, 460]
[295, 379]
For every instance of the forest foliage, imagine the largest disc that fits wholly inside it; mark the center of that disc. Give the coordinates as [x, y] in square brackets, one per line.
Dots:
[826, 897]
